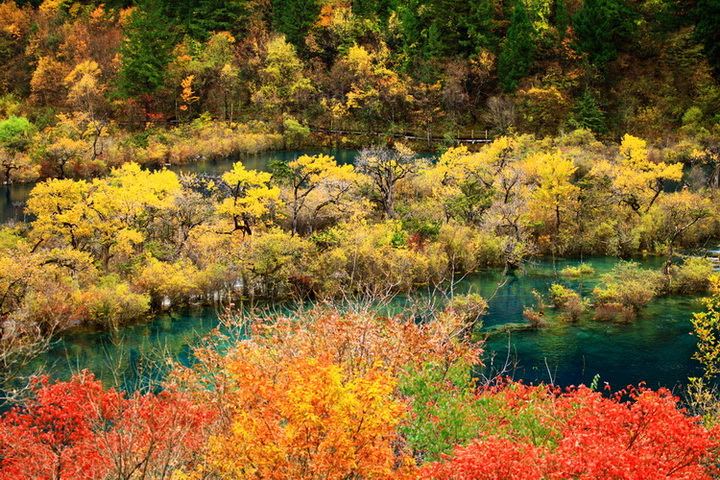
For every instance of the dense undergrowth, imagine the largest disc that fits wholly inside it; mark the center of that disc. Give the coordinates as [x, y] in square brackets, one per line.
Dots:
[350, 395]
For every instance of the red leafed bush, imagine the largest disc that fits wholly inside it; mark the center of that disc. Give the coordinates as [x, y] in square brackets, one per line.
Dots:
[490, 458]
[637, 434]
[79, 430]
[54, 434]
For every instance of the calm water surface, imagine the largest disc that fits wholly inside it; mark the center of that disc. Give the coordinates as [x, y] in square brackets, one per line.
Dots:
[655, 349]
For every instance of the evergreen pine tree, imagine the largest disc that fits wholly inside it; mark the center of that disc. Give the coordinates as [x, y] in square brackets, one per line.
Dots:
[480, 24]
[599, 26]
[587, 114]
[412, 29]
[294, 18]
[562, 17]
[379, 9]
[431, 29]
[145, 51]
[708, 30]
[518, 49]
[208, 16]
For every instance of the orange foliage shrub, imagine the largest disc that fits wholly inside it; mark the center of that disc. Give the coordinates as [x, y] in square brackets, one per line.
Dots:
[308, 418]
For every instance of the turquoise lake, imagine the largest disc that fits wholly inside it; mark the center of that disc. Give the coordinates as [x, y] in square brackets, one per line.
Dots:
[656, 348]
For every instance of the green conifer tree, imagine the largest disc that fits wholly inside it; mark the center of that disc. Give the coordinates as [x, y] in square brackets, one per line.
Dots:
[587, 114]
[599, 27]
[203, 17]
[518, 49]
[480, 23]
[445, 28]
[379, 9]
[294, 18]
[708, 30]
[145, 52]
[562, 17]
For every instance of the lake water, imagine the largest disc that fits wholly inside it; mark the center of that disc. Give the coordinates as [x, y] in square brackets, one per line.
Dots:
[656, 348]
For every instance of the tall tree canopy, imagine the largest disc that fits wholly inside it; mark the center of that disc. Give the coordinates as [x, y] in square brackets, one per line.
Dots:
[145, 53]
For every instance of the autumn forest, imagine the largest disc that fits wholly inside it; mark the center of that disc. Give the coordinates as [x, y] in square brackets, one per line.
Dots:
[485, 136]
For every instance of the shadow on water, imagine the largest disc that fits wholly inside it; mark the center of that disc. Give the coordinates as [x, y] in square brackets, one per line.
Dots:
[12, 202]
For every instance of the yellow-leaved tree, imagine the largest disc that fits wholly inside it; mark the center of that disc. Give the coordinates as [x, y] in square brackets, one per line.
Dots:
[252, 197]
[636, 179]
[124, 204]
[283, 85]
[307, 418]
[315, 176]
[85, 91]
[385, 168]
[374, 90]
[675, 217]
[706, 327]
[60, 208]
[316, 395]
[463, 181]
[554, 193]
[105, 217]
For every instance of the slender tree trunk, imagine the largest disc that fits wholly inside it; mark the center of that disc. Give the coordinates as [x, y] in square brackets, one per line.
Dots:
[557, 219]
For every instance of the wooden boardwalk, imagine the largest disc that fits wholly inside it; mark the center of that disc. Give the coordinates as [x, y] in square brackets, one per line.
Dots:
[471, 139]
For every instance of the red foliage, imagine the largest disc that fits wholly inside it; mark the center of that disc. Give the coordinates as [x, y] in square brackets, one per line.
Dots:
[417, 242]
[645, 436]
[490, 458]
[79, 430]
[53, 435]
[648, 436]
[156, 433]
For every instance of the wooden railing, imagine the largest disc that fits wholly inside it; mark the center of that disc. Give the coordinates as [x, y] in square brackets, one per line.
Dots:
[471, 137]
